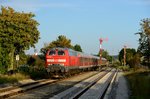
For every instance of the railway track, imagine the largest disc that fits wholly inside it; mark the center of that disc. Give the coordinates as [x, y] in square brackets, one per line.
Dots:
[96, 87]
[13, 90]
[16, 90]
[77, 91]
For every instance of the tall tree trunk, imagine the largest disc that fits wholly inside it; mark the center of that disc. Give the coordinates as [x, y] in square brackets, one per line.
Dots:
[149, 38]
[148, 50]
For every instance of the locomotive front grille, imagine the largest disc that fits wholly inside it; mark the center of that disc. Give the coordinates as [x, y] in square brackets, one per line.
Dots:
[56, 60]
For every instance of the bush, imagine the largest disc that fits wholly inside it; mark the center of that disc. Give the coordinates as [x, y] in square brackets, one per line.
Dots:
[24, 69]
[116, 64]
[34, 72]
[35, 61]
[12, 78]
[38, 72]
[135, 61]
[35, 69]
[124, 68]
[3, 70]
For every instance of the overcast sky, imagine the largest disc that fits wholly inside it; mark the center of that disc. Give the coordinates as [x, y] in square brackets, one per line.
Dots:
[85, 21]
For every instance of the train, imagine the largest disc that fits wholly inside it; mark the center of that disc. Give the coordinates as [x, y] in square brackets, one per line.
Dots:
[65, 59]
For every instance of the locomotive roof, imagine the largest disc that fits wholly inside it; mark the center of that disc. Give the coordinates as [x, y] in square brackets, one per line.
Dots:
[81, 54]
[60, 48]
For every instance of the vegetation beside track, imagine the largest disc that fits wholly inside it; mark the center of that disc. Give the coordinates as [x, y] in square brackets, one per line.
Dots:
[26, 72]
[139, 83]
[12, 78]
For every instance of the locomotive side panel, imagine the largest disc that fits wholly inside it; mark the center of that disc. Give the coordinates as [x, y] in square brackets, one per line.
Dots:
[73, 59]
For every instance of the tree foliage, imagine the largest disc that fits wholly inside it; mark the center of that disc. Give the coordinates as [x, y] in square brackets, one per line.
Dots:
[129, 55]
[134, 61]
[144, 40]
[106, 55]
[77, 48]
[4, 60]
[61, 41]
[18, 32]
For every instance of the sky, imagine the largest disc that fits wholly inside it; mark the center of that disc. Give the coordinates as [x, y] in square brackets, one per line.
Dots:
[84, 22]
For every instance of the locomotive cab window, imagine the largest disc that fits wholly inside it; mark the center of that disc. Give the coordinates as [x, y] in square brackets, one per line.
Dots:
[52, 52]
[61, 52]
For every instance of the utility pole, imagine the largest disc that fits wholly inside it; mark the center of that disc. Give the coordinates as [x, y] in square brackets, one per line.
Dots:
[124, 56]
[100, 53]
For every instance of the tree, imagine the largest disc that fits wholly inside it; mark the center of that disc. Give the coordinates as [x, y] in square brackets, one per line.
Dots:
[61, 41]
[106, 55]
[129, 55]
[4, 60]
[144, 40]
[18, 31]
[134, 61]
[77, 48]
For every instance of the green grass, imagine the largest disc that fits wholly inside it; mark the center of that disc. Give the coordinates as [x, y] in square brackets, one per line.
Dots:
[139, 83]
[24, 73]
[124, 68]
[12, 78]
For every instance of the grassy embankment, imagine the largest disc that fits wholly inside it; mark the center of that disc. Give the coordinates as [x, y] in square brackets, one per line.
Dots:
[139, 83]
[12, 78]
[24, 73]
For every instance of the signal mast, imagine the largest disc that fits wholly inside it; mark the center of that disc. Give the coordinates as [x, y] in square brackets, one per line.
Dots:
[125, 46]
[100, 54]
[124, 56]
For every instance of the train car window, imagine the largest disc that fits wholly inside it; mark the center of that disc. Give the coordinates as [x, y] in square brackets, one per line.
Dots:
[61, 52]
[52, 52]
[72, 53]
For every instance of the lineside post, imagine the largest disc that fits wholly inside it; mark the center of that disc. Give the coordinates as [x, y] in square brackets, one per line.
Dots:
[100, 53]
[101, 50]
[124, 56]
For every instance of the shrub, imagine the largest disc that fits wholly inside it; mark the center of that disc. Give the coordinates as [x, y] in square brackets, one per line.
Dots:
[24, 69]
[34, 72]
[12, 78]
[116, 64]
[124, 68]
[38, 72]
[35, 61]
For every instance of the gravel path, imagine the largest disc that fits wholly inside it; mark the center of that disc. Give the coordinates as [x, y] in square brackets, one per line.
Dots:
[120, 89]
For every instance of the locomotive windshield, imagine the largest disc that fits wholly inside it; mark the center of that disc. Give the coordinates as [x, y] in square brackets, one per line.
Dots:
[52, 52]
[61, 52]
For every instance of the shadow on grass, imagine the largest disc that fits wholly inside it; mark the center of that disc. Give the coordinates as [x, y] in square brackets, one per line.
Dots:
[139, 83]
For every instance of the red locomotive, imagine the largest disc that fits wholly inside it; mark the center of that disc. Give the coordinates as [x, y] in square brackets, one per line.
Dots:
[65, 59]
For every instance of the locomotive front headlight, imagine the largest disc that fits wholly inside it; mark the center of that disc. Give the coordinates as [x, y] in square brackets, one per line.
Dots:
[61, 60]
[50, 60]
